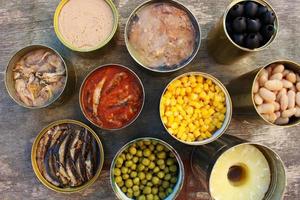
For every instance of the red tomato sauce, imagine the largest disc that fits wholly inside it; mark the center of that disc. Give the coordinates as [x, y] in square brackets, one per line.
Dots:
[112, 97]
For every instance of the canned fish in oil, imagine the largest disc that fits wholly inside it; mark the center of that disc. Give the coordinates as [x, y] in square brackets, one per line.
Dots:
[209, 160]
[89, 133]
[223, 49]
[242, 96]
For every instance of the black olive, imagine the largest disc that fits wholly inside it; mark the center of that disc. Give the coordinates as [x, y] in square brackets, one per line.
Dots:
[261, 10]
[250, 9]
[239, 24]
[229, 28]
[267, 31]
[268, 17]
[253, 25]
[252, 41]
[236, 11]
[260, 38]
[238, 39]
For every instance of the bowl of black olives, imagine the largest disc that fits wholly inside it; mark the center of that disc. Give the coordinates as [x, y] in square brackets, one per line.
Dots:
[251, 25]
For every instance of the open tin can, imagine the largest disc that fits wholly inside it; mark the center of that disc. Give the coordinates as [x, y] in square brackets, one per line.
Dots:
[37, 171]
[87, 79]
[223, 48]
[66, 91]
[241, 91]
[162, 68]
[204, 159]
[180, 179]
[97, 46]
[228, 114]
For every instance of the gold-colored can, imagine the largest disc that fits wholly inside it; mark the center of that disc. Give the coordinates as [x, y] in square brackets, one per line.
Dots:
[223, 48]
[241, 91]
[38, 172]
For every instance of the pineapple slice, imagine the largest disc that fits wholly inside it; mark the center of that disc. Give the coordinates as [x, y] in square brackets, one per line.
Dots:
[240, 173]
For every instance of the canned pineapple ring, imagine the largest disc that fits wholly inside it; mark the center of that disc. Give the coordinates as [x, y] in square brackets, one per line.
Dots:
[195, 108]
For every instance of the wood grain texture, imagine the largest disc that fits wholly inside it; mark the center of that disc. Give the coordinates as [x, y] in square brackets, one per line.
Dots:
[30, 22]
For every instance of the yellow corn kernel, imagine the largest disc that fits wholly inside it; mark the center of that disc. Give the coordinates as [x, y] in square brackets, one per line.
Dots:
[168, 113]
[190, 110]
[208, 81]
[196, 133]
[194, 96]
[205, 86]
[203, 135]
[200, 79]
[170, 119]
[208, 134]
[189, 90]
[219, 125]
[183, 137]
[192, 79]
[184, 79]
[174, 126]
[221, 117]
[165, 120]
[192, 127]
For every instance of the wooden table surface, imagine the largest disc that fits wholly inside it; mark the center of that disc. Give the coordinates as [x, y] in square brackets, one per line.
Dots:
[30, 22]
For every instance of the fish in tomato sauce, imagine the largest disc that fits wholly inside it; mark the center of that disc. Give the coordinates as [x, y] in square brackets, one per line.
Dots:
[112, 97]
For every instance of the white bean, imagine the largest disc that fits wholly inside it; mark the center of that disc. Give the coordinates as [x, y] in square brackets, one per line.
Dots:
[285, 72]
[277, 76]
[255, 87]
[269, 70]
[267, 95]
[258, 100]
[272, 117]
[278, 68]
[282, 121]
[266, 108]
[292, 98]
[291, 77]
[298, 86]
[297, 114]
[284, 102]
[298, 98]
[287, 84]
[288, 113]
[278, 114]
[263, 77]
[274, 85]
[276, 105]
[283, 91]
[298, 77]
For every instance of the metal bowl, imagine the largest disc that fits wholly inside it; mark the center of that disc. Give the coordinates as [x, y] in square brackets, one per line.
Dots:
[86, 78]
[228, 114]
[41, 177]
[70, 46]
[117, 190]
[193, 20]
[10, 85]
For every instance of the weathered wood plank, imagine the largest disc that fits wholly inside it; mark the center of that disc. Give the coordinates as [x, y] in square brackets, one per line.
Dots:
[30, 21]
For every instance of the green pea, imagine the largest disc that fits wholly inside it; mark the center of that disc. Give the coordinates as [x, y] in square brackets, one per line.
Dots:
[161, 175]
[165, 184]
[152, 157]
[136, 181]
[147, 152]
[118, 179]
[146, 161]
[140, 143]
[151, 147]
[170, 161]
[154, 142]
[124, 170]
[135, 159]
[151, 165]
[156, 169]
[117, 172]
[160, 162]
[142, 197]
[135, 188]
[149, 197]
[154, 190]
[173, 168]
[155, 180]
[147, 142]
[169, 190]
[139, 153]
[168, 177]
[133, 174]
[166, 170]
[128, 163]
[136, 193]
[162, 195]
[148, 176]
[147, 190]
[149, 184]
[120, 184]
[129, 156]
[156, 197]
[129, 190]
[161, 155]
[124, 189]
[129, 171]
[144, 182]
[162, 166]
[172, 155]
[118, 165]
[161, 189]
[173, 180]
[133, 167]
[128, 183]
[129, 195]
[119, 161]
[123, 156]
[159, 147]
[132, 150]
[141, 175]
[141, 167]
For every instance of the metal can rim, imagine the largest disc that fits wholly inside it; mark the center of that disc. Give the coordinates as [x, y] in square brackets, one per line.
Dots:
[10, 63]
[228, 105]
[177, 156]
[41, 177]
[107, 65]
[191, 15]
[263, 2]
[100, 45]
[252, 96]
